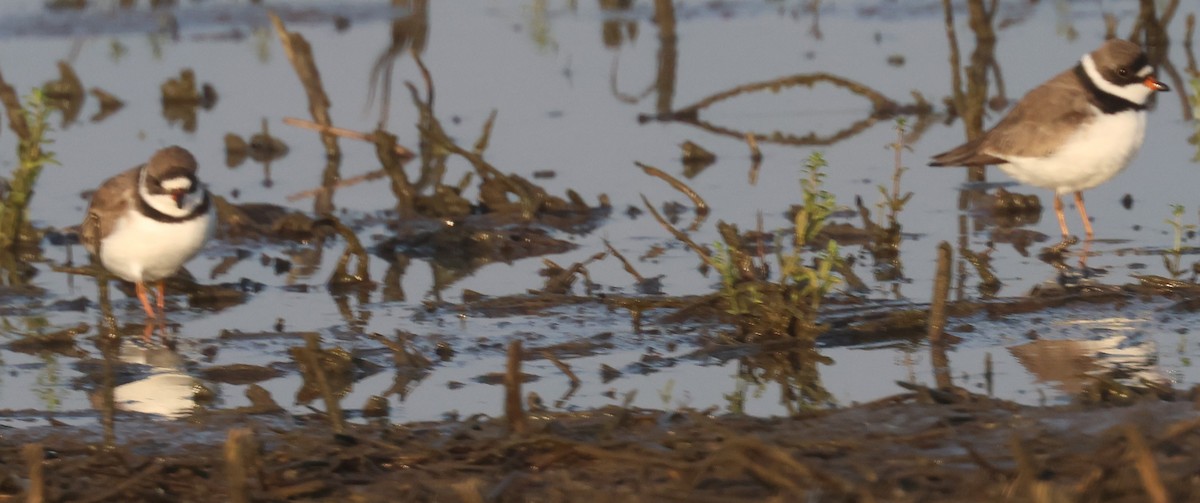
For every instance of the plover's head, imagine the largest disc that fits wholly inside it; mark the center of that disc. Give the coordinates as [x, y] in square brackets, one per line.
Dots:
[168, 182]
[1121, 68]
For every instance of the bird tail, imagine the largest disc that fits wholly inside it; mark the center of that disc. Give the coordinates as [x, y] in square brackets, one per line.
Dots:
[967, 154]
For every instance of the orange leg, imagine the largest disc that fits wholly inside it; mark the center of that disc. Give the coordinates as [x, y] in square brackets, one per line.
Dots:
[162, 295]
[1087, 224]
[141, 295]
[1062, 221]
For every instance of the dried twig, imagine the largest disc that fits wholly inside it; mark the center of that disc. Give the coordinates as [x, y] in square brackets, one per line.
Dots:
[566, 369]
[1143, 460]
[514, 411]
[625, 262]
[704, 254]
[701, 206]
[343, 133]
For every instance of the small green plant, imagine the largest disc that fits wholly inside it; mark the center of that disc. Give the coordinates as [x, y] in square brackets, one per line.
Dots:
[783, 306]
[893, 202]
[1174, 255]
[813, 283]
[819, 204]
[31, 126]
[787, 306]
[1176, 223]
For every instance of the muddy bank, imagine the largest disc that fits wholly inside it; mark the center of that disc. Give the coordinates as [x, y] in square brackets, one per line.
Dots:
[919, 446]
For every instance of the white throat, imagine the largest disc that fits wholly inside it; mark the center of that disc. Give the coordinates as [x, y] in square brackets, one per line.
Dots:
[166, 204]
[1136, 92]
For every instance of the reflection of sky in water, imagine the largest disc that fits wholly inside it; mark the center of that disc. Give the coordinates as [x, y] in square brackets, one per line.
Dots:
[556, 94]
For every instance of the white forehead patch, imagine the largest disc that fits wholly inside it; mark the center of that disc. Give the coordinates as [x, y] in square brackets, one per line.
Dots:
[177, 184]
[1145, 71]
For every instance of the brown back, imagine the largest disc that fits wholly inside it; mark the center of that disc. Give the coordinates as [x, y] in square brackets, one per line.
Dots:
[109, 202]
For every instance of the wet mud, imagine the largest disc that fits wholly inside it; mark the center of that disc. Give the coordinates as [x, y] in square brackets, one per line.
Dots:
[922, 445]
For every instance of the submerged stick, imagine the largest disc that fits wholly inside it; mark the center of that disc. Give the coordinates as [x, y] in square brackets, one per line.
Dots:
[941, 294]
[514, 410]
[333, 409]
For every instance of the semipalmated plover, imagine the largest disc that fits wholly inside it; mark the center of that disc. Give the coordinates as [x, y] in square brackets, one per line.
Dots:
[146, 222]
[1073, 132]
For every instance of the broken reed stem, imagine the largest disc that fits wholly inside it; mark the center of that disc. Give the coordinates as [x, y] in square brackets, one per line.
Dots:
[343, 133]
[625, 262]
[704, 254]
[755, 153]
[701, 206]
[333, 409]
[436, 138]
[1143, 460]
[425, 75]
[941, 294]
[299, 53]
[514, 410]
[239, 460]
[34, 456]
[566, 369]
[755, 157]
[485, 136]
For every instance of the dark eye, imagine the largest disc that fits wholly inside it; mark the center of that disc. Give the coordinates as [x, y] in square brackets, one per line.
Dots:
[1123, 72]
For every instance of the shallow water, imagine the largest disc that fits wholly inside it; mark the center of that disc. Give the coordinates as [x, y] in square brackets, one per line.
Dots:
[568, 81]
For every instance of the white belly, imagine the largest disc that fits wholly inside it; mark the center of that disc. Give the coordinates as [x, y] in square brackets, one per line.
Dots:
[143, 249]
[1099, 151]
